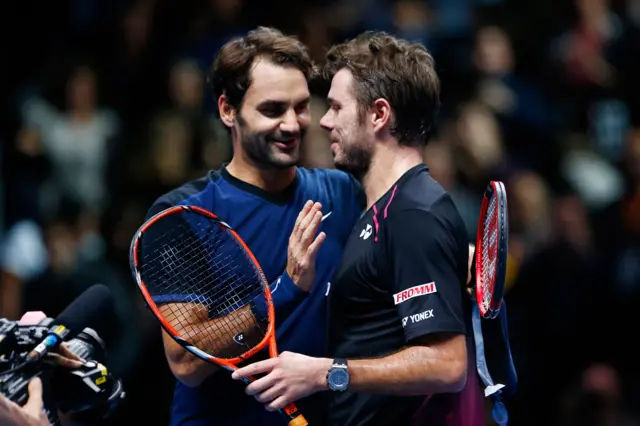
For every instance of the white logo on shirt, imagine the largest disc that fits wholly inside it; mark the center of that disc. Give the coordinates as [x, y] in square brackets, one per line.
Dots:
[366, 233]
[417, 317]
[328, 288]
[325, 216]
[410, 293]
[275, 287]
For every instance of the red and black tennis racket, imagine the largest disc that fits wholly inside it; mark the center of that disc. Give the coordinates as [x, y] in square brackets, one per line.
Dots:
[203, 284]
[491, 250]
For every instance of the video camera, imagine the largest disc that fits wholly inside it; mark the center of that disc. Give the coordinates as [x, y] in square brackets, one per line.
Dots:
[84, 394]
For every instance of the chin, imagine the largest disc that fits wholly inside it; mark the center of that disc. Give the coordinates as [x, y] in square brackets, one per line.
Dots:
[339, 161]
[281, 160]
[341, 166]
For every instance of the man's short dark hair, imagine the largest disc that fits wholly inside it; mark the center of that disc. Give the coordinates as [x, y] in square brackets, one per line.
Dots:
[230, 73]
[399, 71]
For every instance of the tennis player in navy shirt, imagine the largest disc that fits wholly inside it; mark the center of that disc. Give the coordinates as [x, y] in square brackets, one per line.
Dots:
[399, 333]
[260, 82]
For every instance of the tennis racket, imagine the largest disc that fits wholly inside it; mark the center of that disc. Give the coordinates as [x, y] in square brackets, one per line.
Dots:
[491, 250]
[202, 283]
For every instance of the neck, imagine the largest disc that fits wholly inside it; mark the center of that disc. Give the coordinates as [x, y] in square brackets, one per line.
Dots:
[270, 179]
[388, 164]
[81, 115]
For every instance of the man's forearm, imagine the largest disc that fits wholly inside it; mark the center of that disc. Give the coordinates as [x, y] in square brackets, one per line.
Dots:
[215, 337]
[186, 367]
[416, 370]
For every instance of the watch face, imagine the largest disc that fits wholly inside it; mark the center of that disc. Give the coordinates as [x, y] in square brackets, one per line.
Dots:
[339, 379]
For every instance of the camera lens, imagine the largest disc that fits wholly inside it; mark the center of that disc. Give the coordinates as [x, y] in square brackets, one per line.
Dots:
[88, 345]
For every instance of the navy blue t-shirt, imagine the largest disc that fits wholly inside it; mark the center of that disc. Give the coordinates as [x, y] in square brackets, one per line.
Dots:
[265, 221]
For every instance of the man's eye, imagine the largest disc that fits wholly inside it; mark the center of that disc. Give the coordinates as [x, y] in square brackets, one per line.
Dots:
[272, 111]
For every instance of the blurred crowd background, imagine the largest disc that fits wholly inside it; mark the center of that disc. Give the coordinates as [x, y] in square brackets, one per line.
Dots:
[105, 107]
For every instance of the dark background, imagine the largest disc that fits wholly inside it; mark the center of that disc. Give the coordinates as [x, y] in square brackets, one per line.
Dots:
[104, 108]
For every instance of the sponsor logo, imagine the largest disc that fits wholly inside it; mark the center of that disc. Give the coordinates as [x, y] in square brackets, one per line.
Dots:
[417, 317]
[410, 293]
[325, 216]
[366, 232]
[275, 287]
[239, 338]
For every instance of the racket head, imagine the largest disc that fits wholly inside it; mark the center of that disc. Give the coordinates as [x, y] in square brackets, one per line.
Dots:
[187, 257]
[492, 250]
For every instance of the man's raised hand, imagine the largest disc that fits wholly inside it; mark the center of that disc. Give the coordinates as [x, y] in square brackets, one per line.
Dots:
[304, 246]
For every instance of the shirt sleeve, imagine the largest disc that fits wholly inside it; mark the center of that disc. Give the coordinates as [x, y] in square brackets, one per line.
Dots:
[426, 287]
[286, 297]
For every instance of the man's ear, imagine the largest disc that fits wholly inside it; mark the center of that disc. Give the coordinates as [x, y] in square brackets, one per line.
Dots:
[382, 113]
[227, 112]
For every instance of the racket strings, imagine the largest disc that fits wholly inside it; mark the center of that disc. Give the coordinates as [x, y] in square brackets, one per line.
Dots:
[205, 281]
[489, 251]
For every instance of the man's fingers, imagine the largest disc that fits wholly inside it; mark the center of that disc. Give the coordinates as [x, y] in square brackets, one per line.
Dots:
[64, 350]
[260, 385]
[277, 404]
[64, 362]
[472, 252]
[309, 234]
[255, 368]
[306, 221]
[302, 215]
[34, 404]
[314, 248]
[265, 391]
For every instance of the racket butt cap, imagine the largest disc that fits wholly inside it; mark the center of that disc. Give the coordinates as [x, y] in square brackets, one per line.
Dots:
[298, 421]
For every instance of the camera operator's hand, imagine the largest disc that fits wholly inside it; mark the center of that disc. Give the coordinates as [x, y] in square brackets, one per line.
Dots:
[62, 356]
[65, 358]
[31, 414]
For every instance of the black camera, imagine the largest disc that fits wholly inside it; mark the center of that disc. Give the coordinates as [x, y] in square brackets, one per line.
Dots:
[89, 392]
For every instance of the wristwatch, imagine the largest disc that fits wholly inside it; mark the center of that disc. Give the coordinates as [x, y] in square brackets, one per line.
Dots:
[338, 375]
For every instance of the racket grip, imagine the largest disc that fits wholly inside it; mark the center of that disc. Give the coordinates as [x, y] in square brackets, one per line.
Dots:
[294, 416]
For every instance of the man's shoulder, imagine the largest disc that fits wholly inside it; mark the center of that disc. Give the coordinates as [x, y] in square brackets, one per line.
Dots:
[421, 202]
[420, 191]
[317, 176]
[336, 183]
[191, 192]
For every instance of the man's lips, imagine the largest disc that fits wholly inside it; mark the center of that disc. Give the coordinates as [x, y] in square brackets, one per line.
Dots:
[285, 143]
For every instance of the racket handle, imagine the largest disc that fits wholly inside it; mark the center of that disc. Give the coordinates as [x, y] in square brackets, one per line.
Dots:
[294, 416]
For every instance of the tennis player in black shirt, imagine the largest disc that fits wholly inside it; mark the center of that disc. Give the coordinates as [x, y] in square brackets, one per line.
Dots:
[399, 338]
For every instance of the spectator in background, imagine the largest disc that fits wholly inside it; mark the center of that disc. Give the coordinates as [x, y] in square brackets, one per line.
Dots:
[208, 143]
[22, 252]
[438, 155]
[183, 140]
[595, 400]
[76, 141]
[519, 106]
